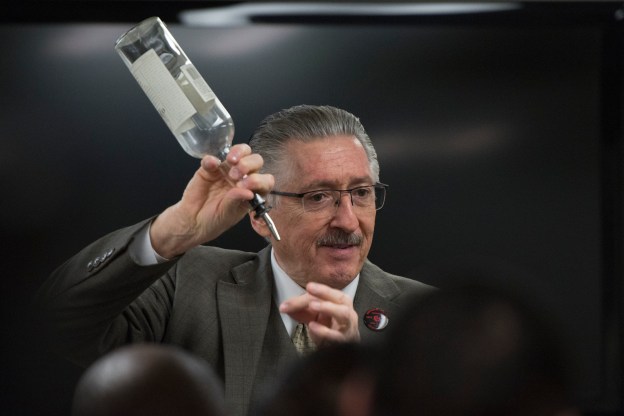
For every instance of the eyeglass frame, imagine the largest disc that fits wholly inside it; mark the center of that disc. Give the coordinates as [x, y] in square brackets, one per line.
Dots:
[301, 195]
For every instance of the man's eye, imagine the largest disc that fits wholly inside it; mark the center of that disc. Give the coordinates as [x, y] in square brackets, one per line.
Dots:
[318, 197]
[362, 193]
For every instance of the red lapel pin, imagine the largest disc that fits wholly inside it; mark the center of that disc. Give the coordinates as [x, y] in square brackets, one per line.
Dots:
[375, 319]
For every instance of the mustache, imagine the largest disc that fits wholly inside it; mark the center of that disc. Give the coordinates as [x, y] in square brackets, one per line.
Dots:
[339, 237]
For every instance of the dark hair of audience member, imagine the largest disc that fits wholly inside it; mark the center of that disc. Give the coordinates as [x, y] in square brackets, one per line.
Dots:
[148, 379]
[473, 350]
[333, 381]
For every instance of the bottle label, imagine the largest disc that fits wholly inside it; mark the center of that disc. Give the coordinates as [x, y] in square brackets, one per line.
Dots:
[195, 79]
[162, 90]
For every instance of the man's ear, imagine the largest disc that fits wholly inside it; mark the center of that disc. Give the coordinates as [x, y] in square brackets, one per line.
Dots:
[259, 225]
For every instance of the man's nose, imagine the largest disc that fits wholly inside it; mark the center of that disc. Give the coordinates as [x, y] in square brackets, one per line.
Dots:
[345, 217]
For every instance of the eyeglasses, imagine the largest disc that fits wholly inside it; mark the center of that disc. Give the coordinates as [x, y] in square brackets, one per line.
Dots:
[325, 199]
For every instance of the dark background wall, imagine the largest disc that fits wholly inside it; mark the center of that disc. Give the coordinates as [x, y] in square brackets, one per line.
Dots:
[499, 134]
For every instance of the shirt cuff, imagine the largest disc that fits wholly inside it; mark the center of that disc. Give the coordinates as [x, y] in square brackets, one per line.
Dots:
[142, 251]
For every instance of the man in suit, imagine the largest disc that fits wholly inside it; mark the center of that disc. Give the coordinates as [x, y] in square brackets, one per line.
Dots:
[156, 282]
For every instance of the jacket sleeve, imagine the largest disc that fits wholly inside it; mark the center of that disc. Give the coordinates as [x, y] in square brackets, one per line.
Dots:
[101, 298]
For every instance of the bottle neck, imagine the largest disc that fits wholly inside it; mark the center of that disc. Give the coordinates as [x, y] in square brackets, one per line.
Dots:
[223, 153]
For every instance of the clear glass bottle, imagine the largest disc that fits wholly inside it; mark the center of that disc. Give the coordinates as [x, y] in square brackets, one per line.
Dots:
[191, 110]
[189, 107]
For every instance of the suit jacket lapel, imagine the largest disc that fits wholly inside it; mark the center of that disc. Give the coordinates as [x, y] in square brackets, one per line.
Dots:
[244, 308]
[375, 290]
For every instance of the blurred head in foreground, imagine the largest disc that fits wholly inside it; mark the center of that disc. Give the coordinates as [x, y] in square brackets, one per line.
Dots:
[473, 350]
[148, 379]
[333, 381]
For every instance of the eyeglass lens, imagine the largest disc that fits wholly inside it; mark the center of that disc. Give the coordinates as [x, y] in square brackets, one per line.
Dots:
[362, 197]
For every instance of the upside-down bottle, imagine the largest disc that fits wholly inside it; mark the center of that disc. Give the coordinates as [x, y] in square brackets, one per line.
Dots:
[191, 110]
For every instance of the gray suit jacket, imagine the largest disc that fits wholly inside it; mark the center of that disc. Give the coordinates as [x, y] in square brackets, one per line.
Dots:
[213, 302]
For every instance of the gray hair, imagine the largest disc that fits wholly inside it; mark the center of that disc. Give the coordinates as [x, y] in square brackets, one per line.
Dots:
[306, 123]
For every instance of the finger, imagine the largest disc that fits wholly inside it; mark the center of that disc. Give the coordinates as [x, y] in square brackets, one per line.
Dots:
[246, 165]
[323, 335]
[210, 163]
[257, 182]
[343, 316]
[209, 175]
[329, 294]
[295, 303]
[239, 197]
[237, 152]
[298, 308]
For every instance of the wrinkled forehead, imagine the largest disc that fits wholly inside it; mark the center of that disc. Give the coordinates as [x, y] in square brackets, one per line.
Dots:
[329, 161]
